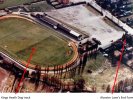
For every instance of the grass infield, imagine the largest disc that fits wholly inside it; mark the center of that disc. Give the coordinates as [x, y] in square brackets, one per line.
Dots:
[18, 36]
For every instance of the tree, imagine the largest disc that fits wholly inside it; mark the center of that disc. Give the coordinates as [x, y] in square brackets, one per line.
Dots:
[38, 74]
[48, 1]
[79, 84]
[33, 76]
[93, 88]
[108, 89]
[103, 86]
[85, 59]
[116, 88]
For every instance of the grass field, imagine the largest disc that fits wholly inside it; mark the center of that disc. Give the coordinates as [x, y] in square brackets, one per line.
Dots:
[9, 3]
[18, 36]
[93, 64]
[40, 7]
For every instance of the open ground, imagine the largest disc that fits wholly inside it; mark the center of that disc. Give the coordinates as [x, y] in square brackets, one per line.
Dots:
[87, 20]
[104, 74]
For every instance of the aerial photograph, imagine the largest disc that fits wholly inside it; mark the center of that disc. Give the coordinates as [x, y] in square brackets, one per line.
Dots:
[66, 46]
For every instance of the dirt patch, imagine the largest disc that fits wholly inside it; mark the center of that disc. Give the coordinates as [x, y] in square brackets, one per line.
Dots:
[3, 78]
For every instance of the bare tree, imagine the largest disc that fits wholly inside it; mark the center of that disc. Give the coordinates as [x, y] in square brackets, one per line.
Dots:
[108, 89]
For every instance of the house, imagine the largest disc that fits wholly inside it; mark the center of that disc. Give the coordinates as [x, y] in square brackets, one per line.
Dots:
[1, 1]
[63, 1]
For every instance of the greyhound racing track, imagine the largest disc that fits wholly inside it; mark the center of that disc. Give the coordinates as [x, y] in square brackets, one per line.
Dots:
[51, 68]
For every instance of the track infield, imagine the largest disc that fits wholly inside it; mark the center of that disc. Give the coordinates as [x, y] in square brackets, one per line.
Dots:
[18, 36]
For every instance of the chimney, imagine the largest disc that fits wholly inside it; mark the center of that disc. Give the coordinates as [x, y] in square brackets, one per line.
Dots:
[65, 1]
